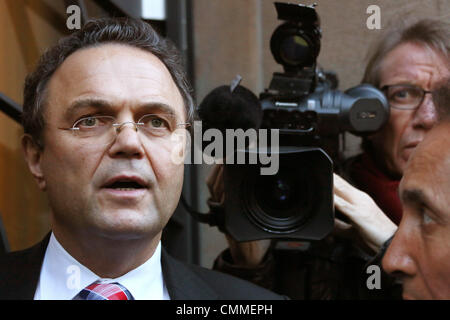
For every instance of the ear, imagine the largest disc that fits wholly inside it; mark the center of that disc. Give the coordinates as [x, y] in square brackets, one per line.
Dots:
[33, 156]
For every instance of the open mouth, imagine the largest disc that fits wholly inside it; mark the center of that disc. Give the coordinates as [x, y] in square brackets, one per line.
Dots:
[126, 184]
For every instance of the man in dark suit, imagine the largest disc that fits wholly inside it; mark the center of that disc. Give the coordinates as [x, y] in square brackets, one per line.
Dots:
[104, 116]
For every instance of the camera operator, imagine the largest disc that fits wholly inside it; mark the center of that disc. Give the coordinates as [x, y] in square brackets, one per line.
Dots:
[407, 63]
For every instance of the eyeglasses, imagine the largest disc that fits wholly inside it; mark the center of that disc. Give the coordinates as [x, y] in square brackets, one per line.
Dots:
[404, 96]
[102, 130]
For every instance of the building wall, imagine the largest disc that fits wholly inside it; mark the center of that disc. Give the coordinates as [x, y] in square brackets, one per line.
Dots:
[27, 28]
[232, 37]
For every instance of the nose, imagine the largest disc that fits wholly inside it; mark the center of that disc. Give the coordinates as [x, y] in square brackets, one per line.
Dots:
[127, 142]
[398, 260]
[425, 116]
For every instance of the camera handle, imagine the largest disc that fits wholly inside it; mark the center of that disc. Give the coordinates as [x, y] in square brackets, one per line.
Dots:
[214, 218]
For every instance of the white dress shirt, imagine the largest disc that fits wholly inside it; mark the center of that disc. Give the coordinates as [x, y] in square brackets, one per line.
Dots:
[62, 277]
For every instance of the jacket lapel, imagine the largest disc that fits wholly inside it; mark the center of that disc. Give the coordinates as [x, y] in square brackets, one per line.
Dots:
[20, 271]
[183, 283]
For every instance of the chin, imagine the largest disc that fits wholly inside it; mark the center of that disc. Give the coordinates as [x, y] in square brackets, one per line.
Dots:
[128, 233]
[395, 170]
[398, 172]
[129, 228]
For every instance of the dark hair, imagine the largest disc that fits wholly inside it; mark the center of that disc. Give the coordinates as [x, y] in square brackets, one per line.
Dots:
[132, 32]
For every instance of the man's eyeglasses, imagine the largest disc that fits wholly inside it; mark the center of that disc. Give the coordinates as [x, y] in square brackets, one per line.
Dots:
[404, 96]
[102, 130]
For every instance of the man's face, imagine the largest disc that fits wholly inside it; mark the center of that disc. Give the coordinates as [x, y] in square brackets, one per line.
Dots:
[419, 254]
[409, 64]
[83, 178]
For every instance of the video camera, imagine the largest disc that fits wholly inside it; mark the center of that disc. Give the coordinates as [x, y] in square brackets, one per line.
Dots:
[311, 115]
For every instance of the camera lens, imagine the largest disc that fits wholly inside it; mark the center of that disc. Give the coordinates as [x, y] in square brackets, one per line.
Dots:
[294, 50]
[280, 202]
[276, 194]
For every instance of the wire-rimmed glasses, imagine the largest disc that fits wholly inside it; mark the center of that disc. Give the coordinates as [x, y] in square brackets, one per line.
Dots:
[102, 130]
[404, 96]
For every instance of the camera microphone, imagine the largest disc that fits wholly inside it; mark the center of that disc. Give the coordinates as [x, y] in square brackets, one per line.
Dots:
[226, 107]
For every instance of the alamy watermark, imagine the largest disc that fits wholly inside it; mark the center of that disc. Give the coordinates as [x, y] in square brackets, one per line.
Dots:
[374, 280]
[261, 145]
[74, 19]
[73, 281]
[373, 22]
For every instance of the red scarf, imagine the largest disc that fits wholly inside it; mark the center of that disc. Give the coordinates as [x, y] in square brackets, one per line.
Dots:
[368, 177]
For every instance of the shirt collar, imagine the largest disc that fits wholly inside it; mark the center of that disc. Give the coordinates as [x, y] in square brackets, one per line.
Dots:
[62, 276]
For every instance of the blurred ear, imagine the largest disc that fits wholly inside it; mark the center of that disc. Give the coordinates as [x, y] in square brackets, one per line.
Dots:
[33, 155]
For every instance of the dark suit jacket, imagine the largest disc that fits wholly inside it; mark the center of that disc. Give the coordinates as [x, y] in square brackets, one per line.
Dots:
[19, 276]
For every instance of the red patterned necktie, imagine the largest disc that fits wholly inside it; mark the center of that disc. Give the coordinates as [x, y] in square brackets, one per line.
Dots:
[104, 291]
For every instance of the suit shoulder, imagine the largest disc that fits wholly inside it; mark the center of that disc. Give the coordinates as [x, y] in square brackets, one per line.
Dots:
[23, 257]
[9, 262]
[19, 272]
[232, 288]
